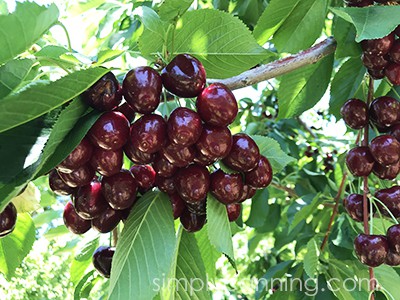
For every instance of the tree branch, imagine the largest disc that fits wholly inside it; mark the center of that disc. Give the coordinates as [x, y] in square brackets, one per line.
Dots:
[281, 66]
[286, 189]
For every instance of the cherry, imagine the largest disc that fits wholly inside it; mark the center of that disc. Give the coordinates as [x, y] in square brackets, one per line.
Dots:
[355, 113]
[79, 177]
[233, 211]
[385, 149]
[8, 218]
[184, 76]
[89, 202]
[226, 188]
[73, 221]
[184, 127]
[247, 193]
[360, 3]
[102, 260]
[393, 236]
[107, 162]
[110, 131]
[77, 158]
[214, 142]
[260, 176]
[165, 184]
[127, 111]
[163, 166]
[178, 205]
[378, 46]
[203, 160]
[103, 95]
[353, 204]
[360, 161]
[217, 105]
[137, 156]
[142, 89]
[192, 222]
[107, 220]
[376, 74]
[179, 156]
[374, 62]
[244, 155]
[198, 208]
[392, 73]
[395, 52]
[371, 249]
[57, 185]
[385, 111]
[386, 172]
[148, 134]
[395, 132]
[145, 177]
[391, 199]
[392, 259]
[192, 183]
[120, 190]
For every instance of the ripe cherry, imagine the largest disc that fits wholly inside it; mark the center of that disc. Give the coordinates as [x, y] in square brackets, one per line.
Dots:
[192, 222]
[107, 220]
[127, 111]
[166, 184]
[179, 156]
[392, 259]
[203, 160]
[395, 132]
[379, 46]
[233, 211]
[178, 205]
[353, 204]
[385, 111]
[137, 156]
[227, 188]
[89, 202]
[374, 62]
[376, 74]
[385, 149]
[57, 185]
[184, 76]
[184, 127]
[73, 221]
[107, 162]
[393, 236]
[102, 260]
[8, 219]
[192, 183]
[145, 177]
[395, 52]
[386, 172]
[214, 142]
[163, 166]
[247, 193]
[392, 73]
[355, 113]
[371, 249]
[77, 158]
[244, 155]
[79, 177]
[360, 161]
[260, 176]
[142, 89]
[391, 199]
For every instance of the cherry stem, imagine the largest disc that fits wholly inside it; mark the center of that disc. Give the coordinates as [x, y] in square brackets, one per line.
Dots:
[114, 236]
[281, 66]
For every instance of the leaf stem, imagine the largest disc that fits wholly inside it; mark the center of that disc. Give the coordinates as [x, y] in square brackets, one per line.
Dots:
[66, 34]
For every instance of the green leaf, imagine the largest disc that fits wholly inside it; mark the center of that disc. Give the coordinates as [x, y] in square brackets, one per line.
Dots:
[82, 259]
[15, 246]
[145, 249]
[345, 84]
[302, 89]
[311, 258]
[305, 211]
[259, 209]
[271, 149]
[220, 41]
[46, 217]
[80, 286]
[371, 22]
[56, 56]
[208, 252]
[219, 230]
[12, 74]
[345, 34]
[56, 232]
[24, 27]
[170, 9]
[304, 25]
[388, 278]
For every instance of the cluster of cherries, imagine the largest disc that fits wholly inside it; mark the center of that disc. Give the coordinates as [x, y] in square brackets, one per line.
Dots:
[180, 155]
[381, 56]
[381, 157]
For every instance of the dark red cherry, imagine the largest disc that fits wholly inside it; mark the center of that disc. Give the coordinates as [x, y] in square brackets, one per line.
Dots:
[360, 161]
[192, 183]
[395, 132]
[233, 211]
[371, 250]
[192, 222]
[178, 205]
[247, 193]
[203, 160]
[77, 158]
[103, 95]
[376, 74]
[79, 177]
[353, 204]
[394, 52]
[385, 111]
[120, 190]
[391, 199]
[393, 236]
[137, 156]
[374, 62]
[110, 132]
[145, 177]
[89, 202]
[378, 46]
[107, 220]
[127, 111]
[260, 176]
[184, 76]
[73, 221]
[355, 113]
[244, 155]
[392, 259]
[163, 166]
[102, 260]
[385, 149]
[149, 133]
[360, 3]
[214, 142]
[198, 208]
[226, 188]
[57, 185]
[142, 89]
[107, 162]
[392, 72]
[8, 218]
[184, 127]
[386, 172]
[166, 184]
[179, 156]
[217, 105]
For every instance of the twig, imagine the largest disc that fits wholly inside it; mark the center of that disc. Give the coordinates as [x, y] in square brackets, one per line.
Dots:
[281, 66]
[306, 127]
[290, 191]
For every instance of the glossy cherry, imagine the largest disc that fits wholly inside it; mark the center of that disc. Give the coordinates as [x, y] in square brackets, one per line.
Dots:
[379, 46]
[107, 162]
[371, 249]
[376, 74]
[107, 220]
[385, 149]
[79, 177]
[203, 160]
[394, 52]
[355, 113]
[89, 202]
[389, 172]
[137, 156]
[215, 142]
[192, 222]
[166, 184]
[244, 155]
[360, 161]
[8, 219]
[395, 132]
[77, 158]
[353, 204]
[391, 199]
[142, 89]
[184, 127]
[127, 111]
[392, 259]
[392, 72]
[145, 177]
[102, 260]
[73, 221]
[149, 133]
[184, 76]
[179, 156]
[247, 193]
[198, 208]
[374, 62]
[57, 185]
[178, 205]
[233, 211]
[393, 236]
[217, 105]
[385, 111]
[120, 190]
[260, 176]
[163, 166]
[192, 183]
[226, 188]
